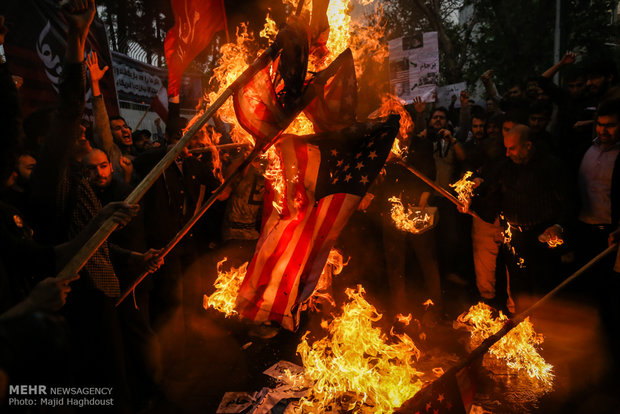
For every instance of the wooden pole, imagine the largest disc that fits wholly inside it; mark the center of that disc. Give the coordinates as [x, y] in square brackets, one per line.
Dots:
[221, 146]
[425, 393]
[97, 239]
[437, 188]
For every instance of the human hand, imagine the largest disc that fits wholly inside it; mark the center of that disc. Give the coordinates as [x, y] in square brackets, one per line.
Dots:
[3, 30]
[453, 99]
[152, 259]
[568, 58]
[79, 15]
[120, 212]
[614, 237]
[49, 294]
[418, 105]
[157, 122]
[464, 97]
[127, 167]
[486, 76]
[551, 234]
[446, 135]
[92, 63]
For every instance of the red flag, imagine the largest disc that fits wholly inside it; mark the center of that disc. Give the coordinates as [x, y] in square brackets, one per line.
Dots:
[195, 23]
[327, 176]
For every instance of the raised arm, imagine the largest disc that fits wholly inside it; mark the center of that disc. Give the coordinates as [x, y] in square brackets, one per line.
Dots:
[568, 59]
[489, 85]
[102, 132]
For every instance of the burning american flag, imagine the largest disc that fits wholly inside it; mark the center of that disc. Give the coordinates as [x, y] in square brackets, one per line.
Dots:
[326, 175]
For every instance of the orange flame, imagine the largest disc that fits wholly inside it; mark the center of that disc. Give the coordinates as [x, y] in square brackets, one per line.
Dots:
[356, 364]
[517, 348]
[428, 304]
[413, 220]
[406, 320]
[226, 289]
[464, 189]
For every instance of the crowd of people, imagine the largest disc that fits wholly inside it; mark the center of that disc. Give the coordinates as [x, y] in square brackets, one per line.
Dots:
[543, 159]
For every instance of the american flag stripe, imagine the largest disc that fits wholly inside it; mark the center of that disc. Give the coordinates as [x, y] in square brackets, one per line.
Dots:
[307, 247]
[288, 243]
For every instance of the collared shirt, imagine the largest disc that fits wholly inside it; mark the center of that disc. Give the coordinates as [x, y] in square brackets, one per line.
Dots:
[595, 174]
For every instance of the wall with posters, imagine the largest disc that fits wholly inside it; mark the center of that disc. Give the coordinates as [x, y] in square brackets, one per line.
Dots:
[414, 66]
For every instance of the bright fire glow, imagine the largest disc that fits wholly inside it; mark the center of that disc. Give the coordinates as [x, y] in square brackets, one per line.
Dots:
[517, 348]
[226, 289]
[356, 367]
[406, 320]
[428, 304]
[464, 189]
[412, 221]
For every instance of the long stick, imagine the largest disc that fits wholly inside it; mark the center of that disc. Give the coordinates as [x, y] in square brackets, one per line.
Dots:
[186, 228]
[432, 184]
[221, 146]
[425, 393]
[97, 239]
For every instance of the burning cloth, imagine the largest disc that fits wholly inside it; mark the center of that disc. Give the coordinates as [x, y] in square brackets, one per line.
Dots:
[326, 177]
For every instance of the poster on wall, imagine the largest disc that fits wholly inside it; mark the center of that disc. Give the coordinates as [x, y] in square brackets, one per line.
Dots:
[414, 66]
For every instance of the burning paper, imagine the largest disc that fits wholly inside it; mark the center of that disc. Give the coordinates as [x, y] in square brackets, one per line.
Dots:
[414, 220]
[464, 189]
[517, 348]
[356, 368]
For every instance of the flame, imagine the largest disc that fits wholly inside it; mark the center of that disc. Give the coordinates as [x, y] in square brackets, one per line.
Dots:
[355, 366]
[412, 221]
[507, 239]
[428, 304]
[517, 348]
[270, 30]
[555, 242]
[464, 189]
[406, 320]
[391, 104]
[226, 288]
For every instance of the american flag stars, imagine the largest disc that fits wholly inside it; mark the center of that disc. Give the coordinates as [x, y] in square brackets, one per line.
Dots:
[352, 158]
